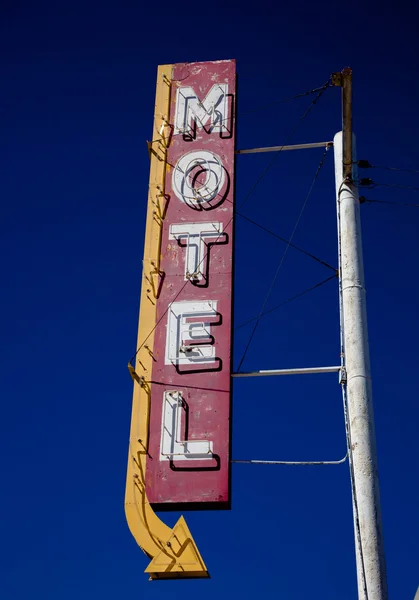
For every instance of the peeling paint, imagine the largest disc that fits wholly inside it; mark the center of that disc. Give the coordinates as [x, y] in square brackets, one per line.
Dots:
[205, 388]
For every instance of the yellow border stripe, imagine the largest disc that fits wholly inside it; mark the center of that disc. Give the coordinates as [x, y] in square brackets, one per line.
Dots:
[174, 552]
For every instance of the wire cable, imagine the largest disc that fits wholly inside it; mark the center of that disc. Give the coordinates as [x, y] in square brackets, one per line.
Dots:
[369, 183]
[281, 262]
[319, 260]
[365, 164]
[364, 200]
[308, 93]
[288, 139]
[396, 185]
[313, 287]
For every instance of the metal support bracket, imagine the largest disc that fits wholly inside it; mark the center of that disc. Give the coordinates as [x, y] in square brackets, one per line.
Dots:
[285, 148]
[293, 463]
[303, 371]
[343, 378]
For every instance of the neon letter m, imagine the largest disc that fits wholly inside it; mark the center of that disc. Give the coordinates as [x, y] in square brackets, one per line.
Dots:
[212, 109]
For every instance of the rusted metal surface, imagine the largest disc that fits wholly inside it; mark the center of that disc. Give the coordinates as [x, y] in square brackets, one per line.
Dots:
[347, 122]
[189, 443]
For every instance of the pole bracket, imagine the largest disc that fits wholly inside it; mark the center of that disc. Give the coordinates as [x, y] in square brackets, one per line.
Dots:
[343, 377]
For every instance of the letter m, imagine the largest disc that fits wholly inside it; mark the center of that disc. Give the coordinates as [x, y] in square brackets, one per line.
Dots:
[210, 114]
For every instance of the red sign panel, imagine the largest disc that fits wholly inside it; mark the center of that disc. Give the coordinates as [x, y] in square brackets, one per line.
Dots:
[189, 444]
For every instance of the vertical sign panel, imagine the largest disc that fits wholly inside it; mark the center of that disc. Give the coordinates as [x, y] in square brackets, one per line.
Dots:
[189, 443]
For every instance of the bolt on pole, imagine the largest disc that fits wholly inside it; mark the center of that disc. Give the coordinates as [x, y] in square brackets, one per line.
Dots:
[370, 559]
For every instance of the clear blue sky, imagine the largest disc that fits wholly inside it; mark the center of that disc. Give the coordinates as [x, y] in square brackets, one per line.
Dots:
[78, 85]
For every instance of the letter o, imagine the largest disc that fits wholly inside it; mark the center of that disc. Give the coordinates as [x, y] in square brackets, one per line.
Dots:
[198, 179]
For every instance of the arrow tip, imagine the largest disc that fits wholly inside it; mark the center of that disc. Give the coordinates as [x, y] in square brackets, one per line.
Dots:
[179, 558]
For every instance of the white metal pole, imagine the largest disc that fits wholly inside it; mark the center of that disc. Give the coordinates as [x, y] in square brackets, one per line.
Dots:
[371, 569]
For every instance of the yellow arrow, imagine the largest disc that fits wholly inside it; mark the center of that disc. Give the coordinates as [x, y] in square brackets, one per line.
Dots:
[173, 551]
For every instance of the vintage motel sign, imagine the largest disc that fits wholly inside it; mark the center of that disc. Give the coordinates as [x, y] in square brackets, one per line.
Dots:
[179, 453]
